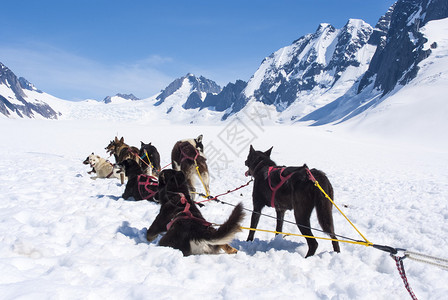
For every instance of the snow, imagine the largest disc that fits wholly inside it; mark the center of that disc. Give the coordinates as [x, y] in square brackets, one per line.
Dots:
[6, 91]
[65, 236]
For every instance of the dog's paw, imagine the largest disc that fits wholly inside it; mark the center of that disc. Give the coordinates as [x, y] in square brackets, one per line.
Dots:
[150, 238]
[228, 249]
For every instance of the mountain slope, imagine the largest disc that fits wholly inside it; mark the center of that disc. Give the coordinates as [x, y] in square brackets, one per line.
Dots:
[394, 65]
[187, 92]
[313, 71]
[19, 98]
[120, 98]
[419, 109]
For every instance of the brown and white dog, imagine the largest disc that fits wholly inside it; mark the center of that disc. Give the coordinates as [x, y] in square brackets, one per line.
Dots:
[186, 229]
[122, 151]
[186, 156]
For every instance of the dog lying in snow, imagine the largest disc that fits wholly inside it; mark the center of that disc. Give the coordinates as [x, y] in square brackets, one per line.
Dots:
[185, 227]
[139, 185]
[86, 162]
[103, 168]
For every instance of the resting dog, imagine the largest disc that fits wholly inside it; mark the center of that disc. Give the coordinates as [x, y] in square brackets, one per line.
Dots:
[149, 159]
[139, 185]
[286, 188]
[103, 168]
[185, 156]
[86, 162]
[185, 227]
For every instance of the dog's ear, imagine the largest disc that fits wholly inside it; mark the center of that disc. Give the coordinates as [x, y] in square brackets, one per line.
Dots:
[268, 152]
[141, 144]
[251, 149]
[122, 140]
[116, 140]
[199, 139]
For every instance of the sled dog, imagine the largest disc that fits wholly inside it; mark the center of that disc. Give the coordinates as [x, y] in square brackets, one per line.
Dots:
[102, 167]
[149, 159]
[86, 162]
[186, 229]
[121, 150]
[286, 188]
[186, 156]
[139, 185]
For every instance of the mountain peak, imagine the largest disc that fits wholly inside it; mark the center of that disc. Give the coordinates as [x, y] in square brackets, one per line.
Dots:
[120, 98]
[192, 88]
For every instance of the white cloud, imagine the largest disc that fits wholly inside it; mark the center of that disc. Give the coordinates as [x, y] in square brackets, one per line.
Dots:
[70, 76]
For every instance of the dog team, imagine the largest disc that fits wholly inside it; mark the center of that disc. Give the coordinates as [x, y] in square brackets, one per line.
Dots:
[179, 218]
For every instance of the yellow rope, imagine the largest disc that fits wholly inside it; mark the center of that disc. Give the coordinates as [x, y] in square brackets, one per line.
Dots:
[202, 181]
[152, 167]
[367, 244]
[316, 183]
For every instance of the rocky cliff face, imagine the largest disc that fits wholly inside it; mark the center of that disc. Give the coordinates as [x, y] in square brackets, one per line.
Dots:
[325, 63]
[14, 100]
[401, 48]
[192, 88]
[120, 97]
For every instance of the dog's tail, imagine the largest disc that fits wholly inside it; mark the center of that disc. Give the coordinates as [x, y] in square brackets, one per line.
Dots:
[227, 231]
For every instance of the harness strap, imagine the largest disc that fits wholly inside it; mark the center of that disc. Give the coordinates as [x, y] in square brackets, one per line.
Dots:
[310, 175]
[188, 215]
[145, 185]
[111, 172]
[283, 179]
[186, 156]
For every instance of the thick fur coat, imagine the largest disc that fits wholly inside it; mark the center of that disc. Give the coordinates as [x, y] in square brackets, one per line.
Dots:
[102, 167]
[139, 185]
[122, 151]
[297, 192]
[185, 156]
[149, 159]
[186, 229]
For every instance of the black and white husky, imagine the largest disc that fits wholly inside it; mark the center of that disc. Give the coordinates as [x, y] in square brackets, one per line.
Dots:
[186, 156]
[186, 229]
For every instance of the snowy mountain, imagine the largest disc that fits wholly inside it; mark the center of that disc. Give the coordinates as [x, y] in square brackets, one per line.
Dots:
[188, 92]
[230, 95]
[120, 98]
[402, 51]
[315, 70]
[19, 98]
[329, 76]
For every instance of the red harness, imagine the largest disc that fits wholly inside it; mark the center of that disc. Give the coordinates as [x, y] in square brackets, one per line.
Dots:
[188, 214]
[111, 172]
[185, 155]
[144, 186]
[283, 179]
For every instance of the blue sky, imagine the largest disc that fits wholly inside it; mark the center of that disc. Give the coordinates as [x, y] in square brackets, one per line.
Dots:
[79, 49]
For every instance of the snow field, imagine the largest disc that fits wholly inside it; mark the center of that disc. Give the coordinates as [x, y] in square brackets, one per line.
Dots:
[65, 236]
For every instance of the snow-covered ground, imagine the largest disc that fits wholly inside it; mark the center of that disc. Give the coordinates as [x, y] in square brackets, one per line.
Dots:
[65, 236]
